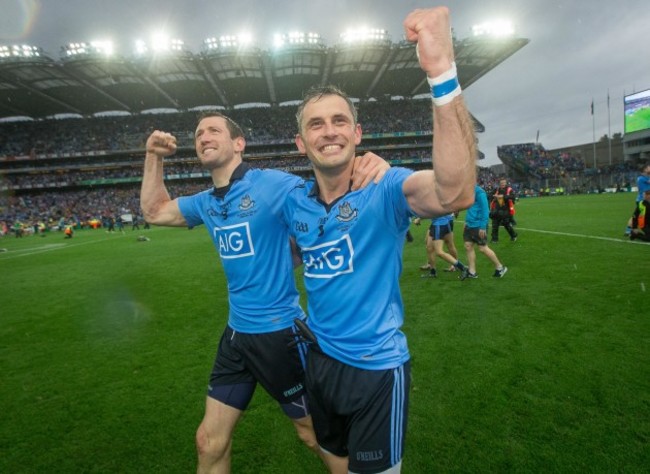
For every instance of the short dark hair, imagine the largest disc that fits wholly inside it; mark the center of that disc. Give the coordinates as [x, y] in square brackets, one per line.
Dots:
[233, 127]
[318, 92]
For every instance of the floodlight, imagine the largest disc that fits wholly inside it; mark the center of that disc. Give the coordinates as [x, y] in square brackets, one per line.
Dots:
[296, 38]
[245, 38]
[364, 34]
[19, 51]
[278, 40]
[103, 48]
[159, 43]
[497, 28]
[141, 47]
[228, 42]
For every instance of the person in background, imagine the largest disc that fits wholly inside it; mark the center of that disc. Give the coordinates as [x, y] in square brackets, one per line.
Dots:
[475, 235]
[642, 184]
[441, 233]
[502, 211]
[640, 221]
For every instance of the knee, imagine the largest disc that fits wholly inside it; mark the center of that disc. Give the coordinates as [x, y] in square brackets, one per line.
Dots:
[210, 445]
[308, 437]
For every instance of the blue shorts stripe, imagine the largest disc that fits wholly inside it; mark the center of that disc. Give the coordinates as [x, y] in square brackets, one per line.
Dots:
[301, 347]
[397, 415]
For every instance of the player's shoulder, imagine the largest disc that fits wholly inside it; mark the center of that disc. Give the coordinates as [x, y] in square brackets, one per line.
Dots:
[200, 195]
[273, 177]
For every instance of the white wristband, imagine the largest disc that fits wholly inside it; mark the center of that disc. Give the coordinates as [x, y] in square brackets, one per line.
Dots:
[445, 86]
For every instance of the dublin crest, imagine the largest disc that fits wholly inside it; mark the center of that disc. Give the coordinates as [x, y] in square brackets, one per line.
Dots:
[246, 203]
[346, 213]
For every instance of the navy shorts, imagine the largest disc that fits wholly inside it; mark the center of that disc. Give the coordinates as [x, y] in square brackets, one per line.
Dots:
[359, 413]
[271, 359]
[438, 232]
[470, 234]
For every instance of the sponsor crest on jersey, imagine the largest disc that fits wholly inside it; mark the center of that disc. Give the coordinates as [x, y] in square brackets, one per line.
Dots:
[246, 203]
[346, 213]
[224, 208]
[234, 241]
[330, 259]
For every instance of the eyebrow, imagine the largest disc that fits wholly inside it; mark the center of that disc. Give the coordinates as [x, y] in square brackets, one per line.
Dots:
[203, 129]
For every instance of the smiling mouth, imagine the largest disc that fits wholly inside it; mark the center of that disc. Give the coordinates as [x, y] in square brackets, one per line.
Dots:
[331, 148]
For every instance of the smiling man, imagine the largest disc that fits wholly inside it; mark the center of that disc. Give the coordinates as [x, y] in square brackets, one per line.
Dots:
[351, 242]
[242, 214]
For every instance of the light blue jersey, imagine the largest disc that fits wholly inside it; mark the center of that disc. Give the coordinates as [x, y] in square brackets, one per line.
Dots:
[443, 220]
[352, 261]
[643, 184]
[478, 215]
[248, 230]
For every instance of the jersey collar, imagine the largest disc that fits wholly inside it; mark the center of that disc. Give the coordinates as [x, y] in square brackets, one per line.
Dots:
[237, 174]
[315, 191]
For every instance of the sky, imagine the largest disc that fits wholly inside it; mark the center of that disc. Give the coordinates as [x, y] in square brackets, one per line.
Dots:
[579, 50]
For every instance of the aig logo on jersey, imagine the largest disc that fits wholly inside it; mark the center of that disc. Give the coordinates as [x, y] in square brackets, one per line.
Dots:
[329, 259]
[234, 241]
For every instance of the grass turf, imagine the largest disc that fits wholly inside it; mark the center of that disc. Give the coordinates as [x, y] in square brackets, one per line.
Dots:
[106, 344]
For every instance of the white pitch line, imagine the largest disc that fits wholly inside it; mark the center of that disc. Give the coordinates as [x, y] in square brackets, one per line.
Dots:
[49, 248]
[584, 236]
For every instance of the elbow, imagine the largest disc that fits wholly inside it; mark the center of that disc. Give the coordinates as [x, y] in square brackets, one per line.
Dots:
[462, 199]
[150, 215]
[465, 201]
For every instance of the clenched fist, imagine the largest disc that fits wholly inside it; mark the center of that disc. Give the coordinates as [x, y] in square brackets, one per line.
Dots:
[161, 144]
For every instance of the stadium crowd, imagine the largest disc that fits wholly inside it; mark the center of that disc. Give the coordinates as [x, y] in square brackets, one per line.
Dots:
[539, 162]
[83, 169]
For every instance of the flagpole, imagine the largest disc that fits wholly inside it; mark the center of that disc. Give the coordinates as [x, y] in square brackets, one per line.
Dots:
[609, 129]
[593, 127]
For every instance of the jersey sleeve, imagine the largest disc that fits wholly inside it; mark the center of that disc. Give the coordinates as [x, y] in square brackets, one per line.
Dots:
[190, 207]
[279, 186]
[484, 209]
[399, 212]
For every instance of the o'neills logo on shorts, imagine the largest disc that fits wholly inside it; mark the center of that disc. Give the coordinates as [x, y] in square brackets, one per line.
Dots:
[292, 390]
[370, 455]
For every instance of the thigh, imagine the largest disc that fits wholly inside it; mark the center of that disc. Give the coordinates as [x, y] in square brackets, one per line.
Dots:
[219, 421]
[231, 383]
[276, 364]
[359, 413]
[449, 241]
[377, 432]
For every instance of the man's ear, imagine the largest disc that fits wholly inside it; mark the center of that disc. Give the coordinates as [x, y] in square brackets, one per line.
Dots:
[357, 134]
[240, 144]
[300, 144]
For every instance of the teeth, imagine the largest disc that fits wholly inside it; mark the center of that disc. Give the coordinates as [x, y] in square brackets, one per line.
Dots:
[330, 147]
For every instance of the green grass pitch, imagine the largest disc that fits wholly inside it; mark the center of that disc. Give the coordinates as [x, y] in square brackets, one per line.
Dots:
[639, 120]
[106, 344]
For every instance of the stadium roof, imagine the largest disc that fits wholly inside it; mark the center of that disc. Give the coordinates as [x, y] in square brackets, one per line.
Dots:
[39, 86]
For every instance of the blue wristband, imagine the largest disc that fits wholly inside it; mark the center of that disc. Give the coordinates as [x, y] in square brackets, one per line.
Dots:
[445, 86]
[441, 90]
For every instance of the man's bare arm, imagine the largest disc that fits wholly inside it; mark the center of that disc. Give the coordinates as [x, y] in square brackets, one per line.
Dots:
[157, 206]
[449, 186]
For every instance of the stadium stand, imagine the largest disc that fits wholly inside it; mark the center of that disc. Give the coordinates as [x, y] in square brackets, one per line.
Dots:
[88, 165]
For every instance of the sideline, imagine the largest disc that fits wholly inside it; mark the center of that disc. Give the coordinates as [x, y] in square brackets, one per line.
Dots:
[583, 236]
[48, 247]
